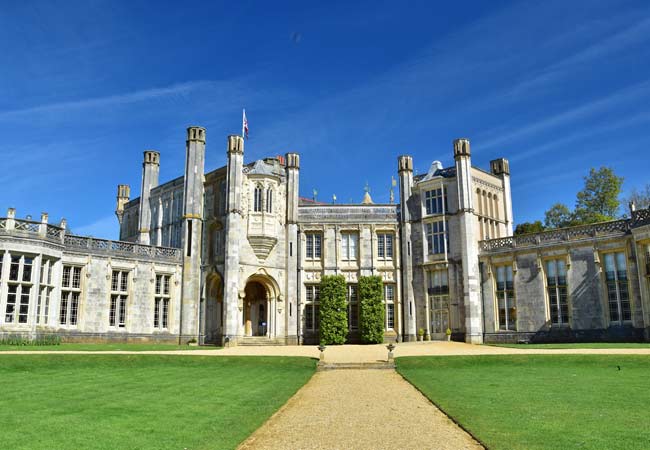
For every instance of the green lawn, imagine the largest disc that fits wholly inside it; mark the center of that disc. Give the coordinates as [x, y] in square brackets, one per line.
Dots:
[103, 347]
[541, 401]
[141, 401]
[580, 345]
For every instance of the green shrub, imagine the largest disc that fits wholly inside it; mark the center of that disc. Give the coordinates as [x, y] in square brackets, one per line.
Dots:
[40, 339]
[333, 310]
[371, 320]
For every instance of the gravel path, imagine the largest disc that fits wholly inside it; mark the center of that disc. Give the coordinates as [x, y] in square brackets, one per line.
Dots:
[359, 409]
[370, 353]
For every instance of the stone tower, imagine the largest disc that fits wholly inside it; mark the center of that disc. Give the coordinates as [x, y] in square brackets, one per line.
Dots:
[234, 188]
[293, 241]
[192, 222]
[150, 172]
[468, 243]
[405, 172]
[123, 196]
[501, 168]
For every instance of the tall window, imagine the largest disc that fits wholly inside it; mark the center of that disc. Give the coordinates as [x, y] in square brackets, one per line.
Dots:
[312, 310]
[389, 301]
[618, 295]
[385, 245]
[161, 302]
[439, 300]
[269, 201]
[349, 246]
[506, 299]
[257, 199]
[119, 297]
[45, 292]
[314, 241]
[19, 289]
[353, 306]
[70, 293]
[556, 286]
[437, 237]
[435, 201]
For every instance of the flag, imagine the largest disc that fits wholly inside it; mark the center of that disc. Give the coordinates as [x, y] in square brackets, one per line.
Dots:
[244, 126]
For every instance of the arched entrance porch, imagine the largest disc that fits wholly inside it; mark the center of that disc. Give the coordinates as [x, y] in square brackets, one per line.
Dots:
[260, 306]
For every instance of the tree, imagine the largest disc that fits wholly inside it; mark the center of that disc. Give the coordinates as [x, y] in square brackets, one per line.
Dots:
[371, 320]
[598, 201]
[558, 216]
[641, 198]
[333, 310]
[529, 227]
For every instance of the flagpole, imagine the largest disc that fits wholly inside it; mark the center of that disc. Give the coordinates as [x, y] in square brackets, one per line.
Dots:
[243, 121]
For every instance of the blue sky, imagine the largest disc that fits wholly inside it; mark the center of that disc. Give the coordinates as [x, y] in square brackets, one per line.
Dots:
[555, 87]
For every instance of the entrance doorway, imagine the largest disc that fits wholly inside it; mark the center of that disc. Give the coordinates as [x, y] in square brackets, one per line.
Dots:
[439, 316]
[213, 310]
[256, 318]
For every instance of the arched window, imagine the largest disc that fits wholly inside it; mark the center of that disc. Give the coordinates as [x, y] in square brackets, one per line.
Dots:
[491, 201]
[257, 199]
[269, 200]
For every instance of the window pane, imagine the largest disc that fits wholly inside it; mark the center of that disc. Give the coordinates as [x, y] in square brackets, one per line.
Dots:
[76, 277]
[27, 269]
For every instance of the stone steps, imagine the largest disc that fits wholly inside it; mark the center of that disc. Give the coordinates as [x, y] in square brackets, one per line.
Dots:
[379, 365]
[259, 341]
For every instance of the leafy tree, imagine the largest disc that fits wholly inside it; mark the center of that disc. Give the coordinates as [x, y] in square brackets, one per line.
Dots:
[529, 227]
[598, 201]
[558, 216]
[641, 198]
[371, 321]
[333, 310]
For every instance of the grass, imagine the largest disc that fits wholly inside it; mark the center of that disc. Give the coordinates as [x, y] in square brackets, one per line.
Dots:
[540, 401]
[103, 347]
[141, 401]
[579, 345]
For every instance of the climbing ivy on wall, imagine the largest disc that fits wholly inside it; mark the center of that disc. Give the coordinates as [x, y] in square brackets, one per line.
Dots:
[371, 320]
[333, 310]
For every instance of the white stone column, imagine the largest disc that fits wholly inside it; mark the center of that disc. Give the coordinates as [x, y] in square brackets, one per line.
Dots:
[191, 233]
[405, 170]
[469, 243]
[233, 297]
[150, 171]
[292, 249]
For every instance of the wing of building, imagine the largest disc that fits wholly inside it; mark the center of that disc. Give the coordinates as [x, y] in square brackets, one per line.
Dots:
[235, 256]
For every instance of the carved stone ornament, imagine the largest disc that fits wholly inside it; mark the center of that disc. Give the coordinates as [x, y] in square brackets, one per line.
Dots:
[262, 245]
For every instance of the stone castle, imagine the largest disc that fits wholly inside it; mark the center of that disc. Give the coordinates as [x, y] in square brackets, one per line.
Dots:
[235, 256]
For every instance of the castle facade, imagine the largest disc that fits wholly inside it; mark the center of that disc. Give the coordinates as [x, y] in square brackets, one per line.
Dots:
[235, 256]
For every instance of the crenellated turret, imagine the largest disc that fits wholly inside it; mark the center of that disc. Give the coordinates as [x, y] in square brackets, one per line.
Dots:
[234, 188]
[501, 168]
[192, 223]
[468, 243]
[405, 172]
[123, 197]
[150, 173]
[292, 242]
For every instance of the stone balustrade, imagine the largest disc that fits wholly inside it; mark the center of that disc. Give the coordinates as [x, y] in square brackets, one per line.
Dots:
[21, 228]
[613, 228]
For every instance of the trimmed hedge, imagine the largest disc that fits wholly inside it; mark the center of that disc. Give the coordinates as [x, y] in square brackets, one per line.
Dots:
[333, 310]
[372, 314]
